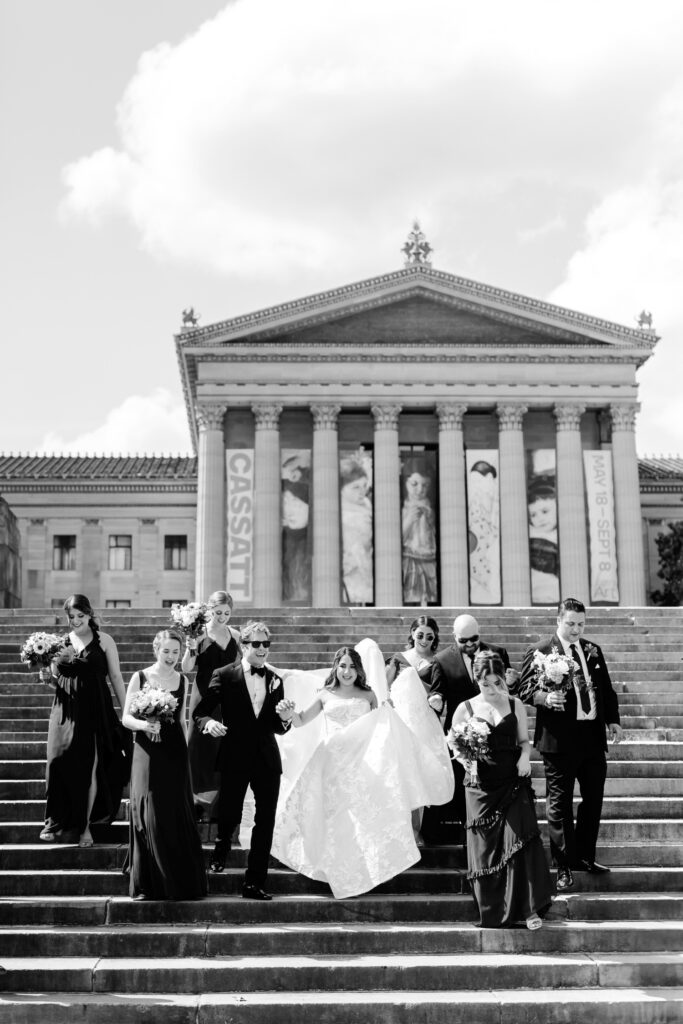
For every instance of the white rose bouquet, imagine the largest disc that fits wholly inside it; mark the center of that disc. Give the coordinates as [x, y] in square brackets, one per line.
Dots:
[39, 650]
[154, 704]
[469, 740]
[554, 671]
[191, 618]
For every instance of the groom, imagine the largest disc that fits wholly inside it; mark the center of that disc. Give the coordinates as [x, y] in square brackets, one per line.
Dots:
[570, 736]
[247, 693]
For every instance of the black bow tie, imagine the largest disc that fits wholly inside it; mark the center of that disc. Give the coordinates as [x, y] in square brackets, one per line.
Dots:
[256, 671]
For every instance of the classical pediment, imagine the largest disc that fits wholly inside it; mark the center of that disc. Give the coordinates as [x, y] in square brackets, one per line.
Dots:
[420, 306]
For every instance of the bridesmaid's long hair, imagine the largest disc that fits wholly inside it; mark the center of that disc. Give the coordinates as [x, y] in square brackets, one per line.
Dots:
[428, 622]
[80, 603]
[331, 683]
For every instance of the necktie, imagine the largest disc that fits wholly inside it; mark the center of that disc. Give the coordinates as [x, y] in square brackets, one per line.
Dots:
[580, 680]
[255, 671]
[468, 665]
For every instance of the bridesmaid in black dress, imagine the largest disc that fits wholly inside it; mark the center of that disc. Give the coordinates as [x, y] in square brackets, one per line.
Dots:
[165, 856]
[218, 648]
[507, 865]
[88, 754]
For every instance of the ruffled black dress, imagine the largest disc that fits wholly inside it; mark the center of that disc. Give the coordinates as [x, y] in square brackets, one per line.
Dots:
[82, 723]
[165, 856]
[507, 864]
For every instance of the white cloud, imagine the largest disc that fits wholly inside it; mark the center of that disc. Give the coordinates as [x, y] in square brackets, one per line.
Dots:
[141, 425]
[301, 135]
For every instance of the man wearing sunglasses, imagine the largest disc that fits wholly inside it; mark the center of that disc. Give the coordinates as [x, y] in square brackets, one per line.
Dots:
[247, 693]
[452, 678]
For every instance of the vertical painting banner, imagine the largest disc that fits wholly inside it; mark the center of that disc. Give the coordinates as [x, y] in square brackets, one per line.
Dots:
[418, 527]
[483, 525]
[355, 480]
[544, 553]
[601, 527]
[295, 475]
[240, 525]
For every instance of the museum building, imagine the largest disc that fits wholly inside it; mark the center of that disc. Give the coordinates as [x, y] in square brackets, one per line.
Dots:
[414, 438]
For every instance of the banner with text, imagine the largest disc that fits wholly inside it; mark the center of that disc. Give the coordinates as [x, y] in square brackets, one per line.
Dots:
[240, 525]
[295, 476]
[483, 525]
[542, 513]
[601, 527]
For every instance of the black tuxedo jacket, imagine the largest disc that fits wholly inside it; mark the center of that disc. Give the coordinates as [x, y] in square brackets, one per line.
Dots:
[557, 732]
[451, 679]
[249, 738]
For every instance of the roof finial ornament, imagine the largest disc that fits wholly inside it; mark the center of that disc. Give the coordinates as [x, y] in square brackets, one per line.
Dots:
[190, 318]
[417, 248]
[644, 320]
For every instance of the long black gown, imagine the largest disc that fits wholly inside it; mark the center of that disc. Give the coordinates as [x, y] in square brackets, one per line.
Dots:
[165, 856]
[83, 722]
[507, 865]
[203, 750]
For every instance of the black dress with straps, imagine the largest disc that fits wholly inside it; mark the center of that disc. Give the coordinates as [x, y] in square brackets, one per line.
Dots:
[203, 750]
[165, 856]
[83, 727]
[507, 864]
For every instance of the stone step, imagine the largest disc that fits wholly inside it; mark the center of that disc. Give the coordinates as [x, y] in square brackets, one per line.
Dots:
[365, 972]
[417, 880]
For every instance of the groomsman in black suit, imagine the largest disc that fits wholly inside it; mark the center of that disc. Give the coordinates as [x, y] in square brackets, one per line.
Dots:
[247, 694]
[453, 680]
[570, 736]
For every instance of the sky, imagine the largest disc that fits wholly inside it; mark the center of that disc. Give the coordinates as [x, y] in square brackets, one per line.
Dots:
[229, 156]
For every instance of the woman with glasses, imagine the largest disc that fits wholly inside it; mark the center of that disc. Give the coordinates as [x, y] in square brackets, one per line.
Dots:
[423, 642]
[217, 648]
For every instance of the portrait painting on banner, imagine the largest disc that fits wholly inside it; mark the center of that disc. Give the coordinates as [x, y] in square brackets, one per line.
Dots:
[295, 477]
[355, 480]
[419, 527]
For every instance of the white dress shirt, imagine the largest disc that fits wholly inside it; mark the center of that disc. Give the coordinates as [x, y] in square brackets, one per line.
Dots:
[581, 715]
[256, 685]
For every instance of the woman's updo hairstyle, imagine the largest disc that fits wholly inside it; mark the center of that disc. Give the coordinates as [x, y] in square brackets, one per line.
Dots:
[220, 597]
[427, 622]
[167, 634]
[80, 603]
[488, 663]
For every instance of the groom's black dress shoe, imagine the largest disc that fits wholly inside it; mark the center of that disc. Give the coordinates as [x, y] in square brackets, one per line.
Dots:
[253, 892]
[592, 867]
[565, 879]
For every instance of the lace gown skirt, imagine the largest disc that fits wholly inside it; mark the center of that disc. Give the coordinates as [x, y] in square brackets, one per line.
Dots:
[507, 864]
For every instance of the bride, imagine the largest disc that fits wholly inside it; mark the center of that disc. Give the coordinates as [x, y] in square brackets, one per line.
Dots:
[354, 768]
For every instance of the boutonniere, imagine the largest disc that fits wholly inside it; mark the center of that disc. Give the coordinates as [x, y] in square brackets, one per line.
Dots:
[274, 684]
[591, 651]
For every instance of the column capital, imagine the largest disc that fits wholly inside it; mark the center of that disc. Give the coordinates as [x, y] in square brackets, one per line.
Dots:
[210, 417]
[510, 417]
[568, 415]
[266, 414]
[450, 415]
[325, 416]
[386, 416]
[624, 416]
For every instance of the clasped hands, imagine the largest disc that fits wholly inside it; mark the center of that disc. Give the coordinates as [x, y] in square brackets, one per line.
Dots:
[286, 709]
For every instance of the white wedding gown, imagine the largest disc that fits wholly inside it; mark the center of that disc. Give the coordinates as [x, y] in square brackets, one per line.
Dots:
[352, 776]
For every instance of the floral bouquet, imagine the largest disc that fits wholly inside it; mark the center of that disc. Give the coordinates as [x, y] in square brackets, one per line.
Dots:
[554, 671]
[154, 704]
[469, 740]
[191, 617]
[39, 650]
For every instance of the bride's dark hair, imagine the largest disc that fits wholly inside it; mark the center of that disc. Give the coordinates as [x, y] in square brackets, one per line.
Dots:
[361, 682]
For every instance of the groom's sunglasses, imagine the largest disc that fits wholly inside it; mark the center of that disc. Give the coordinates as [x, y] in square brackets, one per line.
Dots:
[468, 639]
[257, 643]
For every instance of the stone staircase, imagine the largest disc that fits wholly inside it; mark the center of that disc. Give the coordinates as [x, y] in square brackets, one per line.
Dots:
[73, 947]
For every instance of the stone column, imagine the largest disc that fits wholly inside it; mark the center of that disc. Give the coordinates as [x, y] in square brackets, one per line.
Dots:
[267, 512]
[630, 558]
[387, 491]
[211, 515]
[571, 503]
[325, 490]
[514, 529]
[453, 546]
